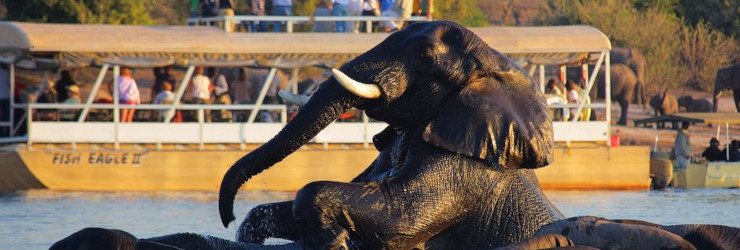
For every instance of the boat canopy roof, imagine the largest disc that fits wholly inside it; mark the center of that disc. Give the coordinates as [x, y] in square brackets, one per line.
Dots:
[729, 118]
[34, 45]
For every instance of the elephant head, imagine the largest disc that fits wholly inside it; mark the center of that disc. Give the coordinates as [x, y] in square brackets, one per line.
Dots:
[437, 77]
[727, 77]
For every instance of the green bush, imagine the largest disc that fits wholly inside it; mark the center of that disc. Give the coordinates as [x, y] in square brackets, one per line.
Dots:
[677, 55]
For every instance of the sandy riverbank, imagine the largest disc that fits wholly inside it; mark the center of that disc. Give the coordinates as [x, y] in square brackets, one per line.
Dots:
[700, 133]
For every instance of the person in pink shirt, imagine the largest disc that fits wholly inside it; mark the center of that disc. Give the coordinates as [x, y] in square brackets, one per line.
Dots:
[128, 93]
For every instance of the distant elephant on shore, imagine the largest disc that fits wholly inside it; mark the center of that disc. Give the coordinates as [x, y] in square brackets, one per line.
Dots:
[635, 60]
[623, 87]
[728, 77]
[694, 105]
[664, 104]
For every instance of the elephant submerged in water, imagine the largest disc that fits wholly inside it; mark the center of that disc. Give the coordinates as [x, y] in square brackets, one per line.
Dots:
[454, 170]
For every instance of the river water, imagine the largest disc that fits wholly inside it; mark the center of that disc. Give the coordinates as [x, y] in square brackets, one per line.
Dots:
[36, 219]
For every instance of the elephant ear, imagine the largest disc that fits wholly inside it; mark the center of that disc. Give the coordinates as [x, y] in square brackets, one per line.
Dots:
[500, 117]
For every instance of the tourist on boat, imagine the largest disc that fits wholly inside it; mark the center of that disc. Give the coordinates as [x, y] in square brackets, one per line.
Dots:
[340, 9]
[423, 9]
[734, 150]
[241, 93]
[128, 94]
[281, 8]
[200, 88]
[48, 95]
[386, 10]
[369, 8]
[681, 152]
[553, 88]
[166, 96]
[354, 8]
[573, 96]
[160, 76]
[209, 8]
[73, 97]
[63, 84]
[712, 153]
[226, 8]
[220, 94]
[194, 9]
[323, 8]
[256, 8]
[404, 9]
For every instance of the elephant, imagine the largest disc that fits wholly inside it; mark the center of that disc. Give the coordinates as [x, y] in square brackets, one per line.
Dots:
[664, 104]
[460, 138]
[623, 86]
[101, 238]
[635, 60]
[602, 233]
[727, 77]
[455, 169]
[694, 105]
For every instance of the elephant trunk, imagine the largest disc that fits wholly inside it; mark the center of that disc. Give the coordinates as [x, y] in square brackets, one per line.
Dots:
[327, 103]
[641, 95]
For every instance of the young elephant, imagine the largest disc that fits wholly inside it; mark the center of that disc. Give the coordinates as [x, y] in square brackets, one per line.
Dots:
[664, 104]
[694, 105]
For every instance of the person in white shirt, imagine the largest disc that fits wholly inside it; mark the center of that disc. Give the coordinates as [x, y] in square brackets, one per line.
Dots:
[200, 88]
[572, 93]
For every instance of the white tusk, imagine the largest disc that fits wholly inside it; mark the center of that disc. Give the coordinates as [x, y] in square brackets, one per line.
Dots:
[364, 90]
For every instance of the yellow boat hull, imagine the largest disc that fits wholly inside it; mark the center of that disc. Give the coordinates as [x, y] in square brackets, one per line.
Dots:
[87, 168]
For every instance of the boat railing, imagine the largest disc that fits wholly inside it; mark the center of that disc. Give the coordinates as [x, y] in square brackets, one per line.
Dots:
[156, 130]
[291, 21]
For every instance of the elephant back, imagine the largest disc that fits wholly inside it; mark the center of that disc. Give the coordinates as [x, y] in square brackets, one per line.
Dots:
[623, 82]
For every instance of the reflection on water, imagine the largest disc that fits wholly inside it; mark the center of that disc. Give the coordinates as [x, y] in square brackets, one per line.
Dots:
[36, 219]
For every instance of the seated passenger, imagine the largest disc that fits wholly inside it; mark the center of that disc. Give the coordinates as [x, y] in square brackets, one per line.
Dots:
[734, 150]
[712, 153]
[73, 97]
[49, 95]
[164, 97]
[553, 88]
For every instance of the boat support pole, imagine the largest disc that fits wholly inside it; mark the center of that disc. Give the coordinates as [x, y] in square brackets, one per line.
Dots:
[542, 78]
[180, 92]
[11, 74]
[532, 69]
[116, 111]
[261, 97]
[607, 92]
[655, 133]
[93, 93]
[727, 140]
[590, 85]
